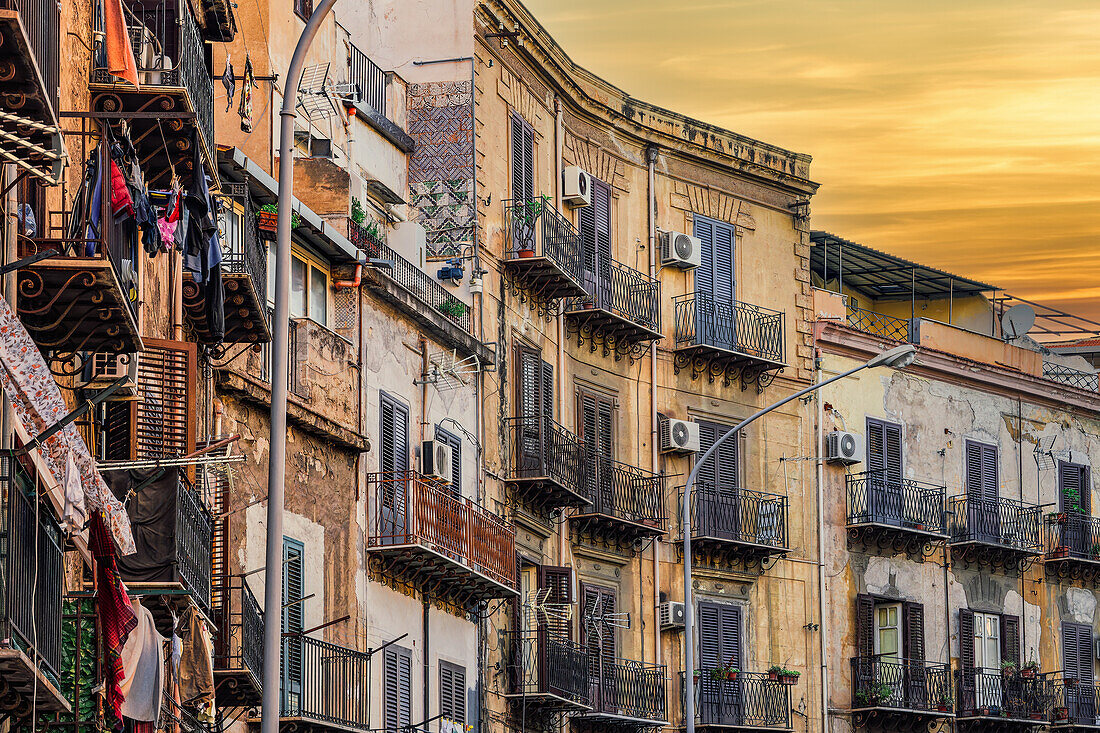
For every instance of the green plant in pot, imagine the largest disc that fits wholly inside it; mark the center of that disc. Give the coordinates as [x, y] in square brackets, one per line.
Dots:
[1009, 668]
[452, 308]
[268, 216]
[358, 213]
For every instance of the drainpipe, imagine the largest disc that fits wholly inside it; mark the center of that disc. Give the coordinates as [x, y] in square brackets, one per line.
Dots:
[820, 469]
[559, 145]
[354, 282]
[651, 163]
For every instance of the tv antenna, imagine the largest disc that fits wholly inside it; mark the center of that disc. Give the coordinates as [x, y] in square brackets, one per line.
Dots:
[317, 93]
[448, 372]
[537, 607]
[1017, 321]
[1044, 453]
[597, 620]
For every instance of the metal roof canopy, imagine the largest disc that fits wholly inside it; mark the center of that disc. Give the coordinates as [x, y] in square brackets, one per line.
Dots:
[881, 275]
[1053, 327]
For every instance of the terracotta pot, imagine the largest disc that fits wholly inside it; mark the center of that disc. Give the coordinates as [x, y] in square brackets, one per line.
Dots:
[1061, 713]
[267, 223]
[731, 675]
[773, 676]
[526, 253]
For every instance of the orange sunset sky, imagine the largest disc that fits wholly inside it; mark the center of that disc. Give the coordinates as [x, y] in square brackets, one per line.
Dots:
[962, 134]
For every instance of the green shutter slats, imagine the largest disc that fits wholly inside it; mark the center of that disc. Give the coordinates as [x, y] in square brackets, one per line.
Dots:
[913, 630]
[1010, 639]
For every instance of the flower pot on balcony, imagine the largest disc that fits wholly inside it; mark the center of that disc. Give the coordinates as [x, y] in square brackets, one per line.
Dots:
[1060, 552]
[773, 676]
[1027, 673]
[1035, 715]
[1061, 713]
[266, 222]
[525, 253]
[1070, 681]
[731, 676]
[983, 711]
[941, 708]
[788, 679]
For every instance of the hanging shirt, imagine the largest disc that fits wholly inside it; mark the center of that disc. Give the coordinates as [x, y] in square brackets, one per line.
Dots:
[245, 109]
[116, 615]
[196, 670]
[143, 669]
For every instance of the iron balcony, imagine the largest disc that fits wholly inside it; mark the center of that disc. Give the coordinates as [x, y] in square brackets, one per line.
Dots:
[173, 75]
[547, 466]
[325, 686]
[239, 646]
[31, 556]
[717, 336]
[900, 693]
[740, 701]
[30, 53]
[627, 505]
[542, 258]
[1072, 545]
[731, 524]
[1074, 705]
[895, 513]
[427, 535]
[625, 693]
[620, 309]
[996, 532]
[550, 673]
[879, 324]
[1008, 698]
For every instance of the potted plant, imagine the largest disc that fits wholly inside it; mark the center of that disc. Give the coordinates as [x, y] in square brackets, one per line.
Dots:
[773, 672]
[267, 221]
[1060, 551]
[452, 308]
[943, 703]
[726, 672]
[1009, 668]
[1070, 681]
[528, 212]
[358, 214]
[1061, 713]
[789, 677]
[1029, 670]
[983, 711]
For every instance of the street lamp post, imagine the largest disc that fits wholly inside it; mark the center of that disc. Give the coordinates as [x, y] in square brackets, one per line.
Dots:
[898, 357]
[280, 346]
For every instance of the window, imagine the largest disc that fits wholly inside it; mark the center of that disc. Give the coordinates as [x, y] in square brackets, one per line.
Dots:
[720, 639]
[599, 614]
[1074, 488]
[231, 229]
[523, 158]
[981, 471]
[985, 641]
[293, 622]
[887, 501]
[394, 432]
[455, 443]
[884, 449]
[534, 402]
[1077, 652]
[894, 629]
[309, 286]
[452, 692]
[396, 688]
[303, 8]
[594, 223]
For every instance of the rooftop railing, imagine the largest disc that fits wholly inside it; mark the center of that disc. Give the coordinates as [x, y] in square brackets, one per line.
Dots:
[369, 77]
[888, 327]
[1088, 381]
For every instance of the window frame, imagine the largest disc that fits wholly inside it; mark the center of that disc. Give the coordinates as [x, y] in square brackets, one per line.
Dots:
[310, 262]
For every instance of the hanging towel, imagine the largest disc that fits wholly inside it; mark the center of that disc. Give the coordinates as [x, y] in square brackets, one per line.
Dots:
[116, 615]
[196, 675]
[143, 669]
[245, 109]
[120, 54]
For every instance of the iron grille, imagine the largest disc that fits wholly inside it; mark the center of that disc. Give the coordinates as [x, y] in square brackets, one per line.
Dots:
[732, 326]
[535, 226]
[749, 699]
[1073, 535]
[41, 20]
[876, 498]
[1071, 377]
[1003, 694]
[1074, 702]
[737, 515]
[1002, 522]
[542, 448]
[333, 686]
[888, 327]
[370, 79]
[902, 684]
[629, 688]
[544, 663]
[625, 492]
[623, 292]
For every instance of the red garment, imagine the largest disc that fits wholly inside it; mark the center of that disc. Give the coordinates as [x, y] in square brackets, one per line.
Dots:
[116, 615]
[120, 54]
[121, 202]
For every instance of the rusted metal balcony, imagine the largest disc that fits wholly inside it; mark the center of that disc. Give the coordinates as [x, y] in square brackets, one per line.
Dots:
[994, 532]
[176, 96]
[1072, 546]
[995, 700]
[894, 514]
[729, 339]
[620, 310]
[438, 542]
[79, 297]
[743, 701]
[1075, 707]
[33, 578]
[736, 526]
[244, 280]
[625, 693]
[550, 673]
[239, 647]
[547, 467]
[542, 258]
[900, 694]
[626, 507]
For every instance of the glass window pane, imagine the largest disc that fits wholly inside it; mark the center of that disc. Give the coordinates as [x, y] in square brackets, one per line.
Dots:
[318, 296]
[297, 288]
[271, 274]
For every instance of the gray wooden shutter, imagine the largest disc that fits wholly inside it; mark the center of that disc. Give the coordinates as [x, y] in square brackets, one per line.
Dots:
[981, 471]
[394, 449]
[594, 224]
[1010, 638]
[703, 228]
[598, 638]
[715, 276]
[912, 618]
[722, 470]
[559, 582]
[452, 692]
[523, 158]
[884, 449]
[865, 625]
[1077, 652]
[396, 688]
[966, 638]
[293, 618]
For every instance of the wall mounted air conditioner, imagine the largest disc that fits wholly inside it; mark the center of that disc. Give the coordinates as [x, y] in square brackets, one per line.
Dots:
[671, 615]
[680, 250]
[679, 436]
[576, 186]
[435, 460]
[844, 448]
[103, 369]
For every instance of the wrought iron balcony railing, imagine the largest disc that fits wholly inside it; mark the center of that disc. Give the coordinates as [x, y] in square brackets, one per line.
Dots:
[622, 494]
[738, 515]
[1003, 694]
[1000, 522]
[888, 327]
[447, 533]
[748, 700]
[411, 278]
[33, 573]
[1088, 381]
[624, 293]
[239, 647]
[41, 20]
[543, 254]
[1074, 703]
[547, 462]
[730, 326]
[901, 684]
[369, 77]
[549, 666]
[325, 683]
[627, 689]
[1072, 536]
[169, 52]
[877, 498]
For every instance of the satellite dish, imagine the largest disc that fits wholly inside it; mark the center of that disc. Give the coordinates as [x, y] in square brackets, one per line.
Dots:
[1017, 320]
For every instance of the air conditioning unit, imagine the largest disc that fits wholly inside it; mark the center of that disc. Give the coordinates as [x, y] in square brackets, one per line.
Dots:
[576, 186]
[679, 436]
[681, 250]
[102, 370]
[843, 447]
[671, 614]
[435, 460]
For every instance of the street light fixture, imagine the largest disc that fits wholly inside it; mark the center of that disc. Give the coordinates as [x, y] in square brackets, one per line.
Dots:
[898, 357]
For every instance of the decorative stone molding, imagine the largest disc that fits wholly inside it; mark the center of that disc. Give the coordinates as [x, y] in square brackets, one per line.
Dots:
[520, 98]
[712, 203]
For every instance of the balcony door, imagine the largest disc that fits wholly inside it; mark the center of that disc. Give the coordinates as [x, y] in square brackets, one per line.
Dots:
[983, 496]
[1075, 499]
[599, 626]
[594, 224]
[717, 489]
[890, 636]
[293, 625]
[886, 502]
[1077, 664]
[720, 699]
[715, 288]
[985, 641]
[535, 410]
[597, 432]
[393, 500]
[523, 183]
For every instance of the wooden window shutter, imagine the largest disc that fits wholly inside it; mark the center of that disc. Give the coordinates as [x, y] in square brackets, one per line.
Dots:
[455, 443]
[892, 435]
[865, 625]
[732, 647]
[396, 688]
[876, 454]
[1074, 488]
[884, 449]
[528, 384]
[559, 582]
[293, 614]
[1010, 639]
[703, 228]
[594, 224]
[912, 617]
[1077, 652]
[452, 692]
[990, 480]
[523, 158]
[981, 471]
[966, 638]
[162, 423]
[598, 637]
[710, 636]
[546, 391]
[394, 429]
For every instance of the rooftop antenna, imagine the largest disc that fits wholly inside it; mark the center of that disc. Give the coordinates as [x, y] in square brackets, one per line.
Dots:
[1017, 321]
[1044, 455]
[537, 607]
[598, 621]
[448, 372]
